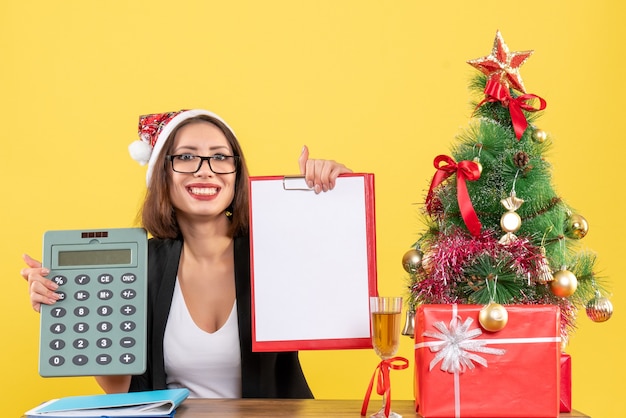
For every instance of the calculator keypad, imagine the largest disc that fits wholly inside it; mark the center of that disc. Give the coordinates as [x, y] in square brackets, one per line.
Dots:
[97, 327]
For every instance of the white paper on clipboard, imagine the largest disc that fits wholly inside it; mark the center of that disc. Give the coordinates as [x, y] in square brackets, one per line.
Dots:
[313, 263]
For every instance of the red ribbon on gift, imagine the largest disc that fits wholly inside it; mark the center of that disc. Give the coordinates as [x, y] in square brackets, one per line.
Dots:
[465, 170]
[497, 92]
[383, 384]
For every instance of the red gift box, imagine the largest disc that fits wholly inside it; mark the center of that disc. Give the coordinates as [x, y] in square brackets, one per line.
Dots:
[566, 383]
[462, 370]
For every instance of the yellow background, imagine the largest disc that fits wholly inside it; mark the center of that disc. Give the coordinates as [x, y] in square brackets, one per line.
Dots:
[379, 85]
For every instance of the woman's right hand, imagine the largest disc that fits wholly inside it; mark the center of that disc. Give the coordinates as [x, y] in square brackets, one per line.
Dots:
[41, 290]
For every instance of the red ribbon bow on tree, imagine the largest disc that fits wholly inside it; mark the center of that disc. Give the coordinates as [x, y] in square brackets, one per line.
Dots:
[383, 385]
[465, 170]
[497, 92]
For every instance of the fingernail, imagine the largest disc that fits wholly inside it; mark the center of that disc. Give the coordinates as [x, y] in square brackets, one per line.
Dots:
[44, 271]
[318, 188]
[310, 184]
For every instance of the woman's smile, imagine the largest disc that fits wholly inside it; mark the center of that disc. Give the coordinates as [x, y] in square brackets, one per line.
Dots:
[201, 191]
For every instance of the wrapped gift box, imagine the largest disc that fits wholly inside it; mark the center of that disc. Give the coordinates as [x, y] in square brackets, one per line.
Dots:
[463, 371]
[566, 383]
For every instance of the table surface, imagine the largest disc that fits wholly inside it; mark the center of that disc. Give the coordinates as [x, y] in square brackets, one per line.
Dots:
[309, 408]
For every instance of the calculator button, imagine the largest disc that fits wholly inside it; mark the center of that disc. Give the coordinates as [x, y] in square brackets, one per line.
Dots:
[127, 358]
[57, 344]
[104, 342]
[80, 360]
[57, 328]
[82, 279]
[104, 326]
[58, 312]
[128, 310]
[56, 361]
[127, 342]
[81, 311]
[81, 327]
[61, 296]
[105, 295]
[59, 279]
[128, 326]
[128, 294]
[81, 295]
[105, 310]
[103, 359]
[105, 278]
[129, 278]
[80, 343]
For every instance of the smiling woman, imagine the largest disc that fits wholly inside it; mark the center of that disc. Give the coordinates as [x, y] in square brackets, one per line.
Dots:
[199, 317]
[193, 132]
[203, 192]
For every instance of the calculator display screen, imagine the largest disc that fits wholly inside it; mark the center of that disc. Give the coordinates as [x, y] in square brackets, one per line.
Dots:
[94, 257]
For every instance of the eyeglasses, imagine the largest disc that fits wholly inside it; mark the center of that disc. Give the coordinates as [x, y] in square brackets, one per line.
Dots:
[189, 163]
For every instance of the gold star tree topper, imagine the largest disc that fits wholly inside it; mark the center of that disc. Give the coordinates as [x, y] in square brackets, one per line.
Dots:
[502, 64]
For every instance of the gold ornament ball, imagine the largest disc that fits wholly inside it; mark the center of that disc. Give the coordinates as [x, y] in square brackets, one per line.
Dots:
[493, 317]
[599, 309]
[539, 135]
[411, 260]
[564, 283]
[480, 166]
[510, 221]
[577, 227]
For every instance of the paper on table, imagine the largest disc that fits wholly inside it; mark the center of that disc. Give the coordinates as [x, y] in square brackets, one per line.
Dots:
[313, 263]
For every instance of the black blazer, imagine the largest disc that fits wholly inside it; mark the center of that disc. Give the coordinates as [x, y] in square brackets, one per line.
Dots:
[263, 375]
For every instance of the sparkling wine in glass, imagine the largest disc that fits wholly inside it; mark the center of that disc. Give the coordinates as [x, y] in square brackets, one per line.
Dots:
[386, 313]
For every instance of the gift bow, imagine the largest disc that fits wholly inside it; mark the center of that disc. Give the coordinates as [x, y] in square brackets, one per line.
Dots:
[497, 92]
[383, 384]
[456, 348]
[465, 170]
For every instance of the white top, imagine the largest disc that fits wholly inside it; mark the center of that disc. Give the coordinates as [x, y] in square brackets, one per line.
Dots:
[208, 364]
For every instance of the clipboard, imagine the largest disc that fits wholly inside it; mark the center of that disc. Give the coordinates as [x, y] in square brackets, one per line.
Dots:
[313, 263]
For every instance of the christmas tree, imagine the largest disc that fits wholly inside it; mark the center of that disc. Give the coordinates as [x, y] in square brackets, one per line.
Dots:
[497, 232]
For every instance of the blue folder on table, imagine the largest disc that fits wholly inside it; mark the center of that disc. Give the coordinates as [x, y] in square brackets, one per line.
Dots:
[156, 403]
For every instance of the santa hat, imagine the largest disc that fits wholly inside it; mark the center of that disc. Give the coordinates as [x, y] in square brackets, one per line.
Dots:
[154, 129]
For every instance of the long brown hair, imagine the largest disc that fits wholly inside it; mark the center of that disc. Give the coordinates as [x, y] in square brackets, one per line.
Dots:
[157, 213]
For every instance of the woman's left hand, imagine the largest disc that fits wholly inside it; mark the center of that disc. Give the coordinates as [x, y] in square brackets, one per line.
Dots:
[320, 175]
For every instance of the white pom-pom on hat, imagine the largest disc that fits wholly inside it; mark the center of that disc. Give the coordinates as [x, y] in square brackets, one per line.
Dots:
[140, 151]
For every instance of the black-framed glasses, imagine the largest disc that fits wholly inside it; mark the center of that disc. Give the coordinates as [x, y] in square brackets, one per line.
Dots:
[189, 163]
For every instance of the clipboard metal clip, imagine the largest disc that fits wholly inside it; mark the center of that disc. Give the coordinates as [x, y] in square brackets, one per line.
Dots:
[295, 183]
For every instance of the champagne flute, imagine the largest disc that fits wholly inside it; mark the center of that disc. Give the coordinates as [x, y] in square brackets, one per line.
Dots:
[386, 312]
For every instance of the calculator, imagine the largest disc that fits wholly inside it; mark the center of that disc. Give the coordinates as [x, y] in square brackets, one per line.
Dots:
[98, 326]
